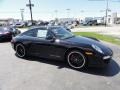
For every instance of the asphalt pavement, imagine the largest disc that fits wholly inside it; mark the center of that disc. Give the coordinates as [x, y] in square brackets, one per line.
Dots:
[40, 74]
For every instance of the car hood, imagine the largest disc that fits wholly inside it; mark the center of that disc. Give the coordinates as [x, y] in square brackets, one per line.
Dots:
[81, 41]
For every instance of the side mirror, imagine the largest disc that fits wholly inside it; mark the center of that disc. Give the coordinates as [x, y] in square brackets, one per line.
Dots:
[51, 38]
[68, 30]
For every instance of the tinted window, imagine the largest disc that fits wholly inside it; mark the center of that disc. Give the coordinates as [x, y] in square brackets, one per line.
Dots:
[44, 33]
[41, 33]
[32, 33]
[62, 33]
[49, 33]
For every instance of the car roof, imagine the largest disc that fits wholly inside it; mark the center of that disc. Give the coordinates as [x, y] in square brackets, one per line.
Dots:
[46, 27]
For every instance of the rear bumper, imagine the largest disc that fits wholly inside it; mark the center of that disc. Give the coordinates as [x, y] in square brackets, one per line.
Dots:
[7, 36]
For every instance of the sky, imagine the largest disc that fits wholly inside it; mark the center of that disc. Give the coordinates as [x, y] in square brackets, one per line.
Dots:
[45, 9]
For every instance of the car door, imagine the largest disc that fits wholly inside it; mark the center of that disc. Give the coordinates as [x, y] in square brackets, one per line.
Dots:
[54, 47]
[37, 42]
[43, 47]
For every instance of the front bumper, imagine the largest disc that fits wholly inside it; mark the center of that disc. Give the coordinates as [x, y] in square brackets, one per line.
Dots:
[98, 60]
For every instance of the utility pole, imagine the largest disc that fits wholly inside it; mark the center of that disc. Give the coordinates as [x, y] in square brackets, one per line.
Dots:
[106, 17]
[22, 14]
[68, 12]
[82, 11]
[106, 11]
[56, 14]
[30, 5]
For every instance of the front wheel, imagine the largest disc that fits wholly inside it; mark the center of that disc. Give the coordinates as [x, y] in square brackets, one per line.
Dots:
[20, 50]
[76, 59]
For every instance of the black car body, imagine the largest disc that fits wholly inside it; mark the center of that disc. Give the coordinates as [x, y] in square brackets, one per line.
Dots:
[59, 44]
[6, 33]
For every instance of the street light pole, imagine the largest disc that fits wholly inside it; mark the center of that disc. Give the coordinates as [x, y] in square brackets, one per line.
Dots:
[106, 11]
[82, 11]
[106, 17]
[30, 5]
[68, 13]
[56, 13]
[22, 14]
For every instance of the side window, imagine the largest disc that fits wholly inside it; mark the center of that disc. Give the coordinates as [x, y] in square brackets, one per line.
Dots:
[50, 34]
[42, 33]
[31, 33]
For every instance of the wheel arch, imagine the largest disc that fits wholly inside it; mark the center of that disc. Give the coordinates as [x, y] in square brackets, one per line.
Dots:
[71, 49]
[17, 43]
[81, 51]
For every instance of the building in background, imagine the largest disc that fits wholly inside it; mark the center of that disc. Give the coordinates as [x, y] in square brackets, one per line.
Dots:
[113, 19]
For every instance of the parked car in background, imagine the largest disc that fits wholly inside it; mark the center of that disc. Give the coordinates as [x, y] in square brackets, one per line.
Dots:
[89, 23]
[42, 23]
[29, 23]
[57, 43]
[19, 24]
[6, 33]
[100, 20]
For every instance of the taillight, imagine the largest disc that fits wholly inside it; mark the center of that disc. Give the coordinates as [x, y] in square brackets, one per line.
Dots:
[12, 41]
[6, 32]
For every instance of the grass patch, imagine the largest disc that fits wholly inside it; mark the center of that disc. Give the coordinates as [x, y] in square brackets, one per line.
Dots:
[100, 37]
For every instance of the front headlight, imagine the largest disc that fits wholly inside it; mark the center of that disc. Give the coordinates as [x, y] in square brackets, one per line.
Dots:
[97, 48]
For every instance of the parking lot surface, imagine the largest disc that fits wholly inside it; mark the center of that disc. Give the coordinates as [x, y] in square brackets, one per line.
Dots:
[39, 74]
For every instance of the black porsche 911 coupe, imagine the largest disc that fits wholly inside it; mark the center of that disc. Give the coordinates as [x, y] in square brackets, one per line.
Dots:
[6, 33]
[59, 44]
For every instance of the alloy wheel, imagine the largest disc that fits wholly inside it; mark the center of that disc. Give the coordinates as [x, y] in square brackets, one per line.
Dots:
[76, 59]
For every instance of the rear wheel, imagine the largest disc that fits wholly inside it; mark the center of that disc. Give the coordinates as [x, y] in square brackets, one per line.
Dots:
[76, 59]
[20, 50]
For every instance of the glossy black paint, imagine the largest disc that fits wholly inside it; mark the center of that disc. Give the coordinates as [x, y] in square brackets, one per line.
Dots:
[57, 49]
[6, 33]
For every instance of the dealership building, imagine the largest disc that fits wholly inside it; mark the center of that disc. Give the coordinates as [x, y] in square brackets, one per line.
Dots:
[113, 19]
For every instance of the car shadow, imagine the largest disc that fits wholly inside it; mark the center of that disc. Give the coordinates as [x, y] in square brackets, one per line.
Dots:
[111, 70]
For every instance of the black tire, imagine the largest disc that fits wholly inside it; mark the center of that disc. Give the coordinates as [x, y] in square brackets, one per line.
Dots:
[20, 50]
[76, 59]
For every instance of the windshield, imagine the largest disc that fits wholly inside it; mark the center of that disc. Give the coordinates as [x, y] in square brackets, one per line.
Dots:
[62, 33]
